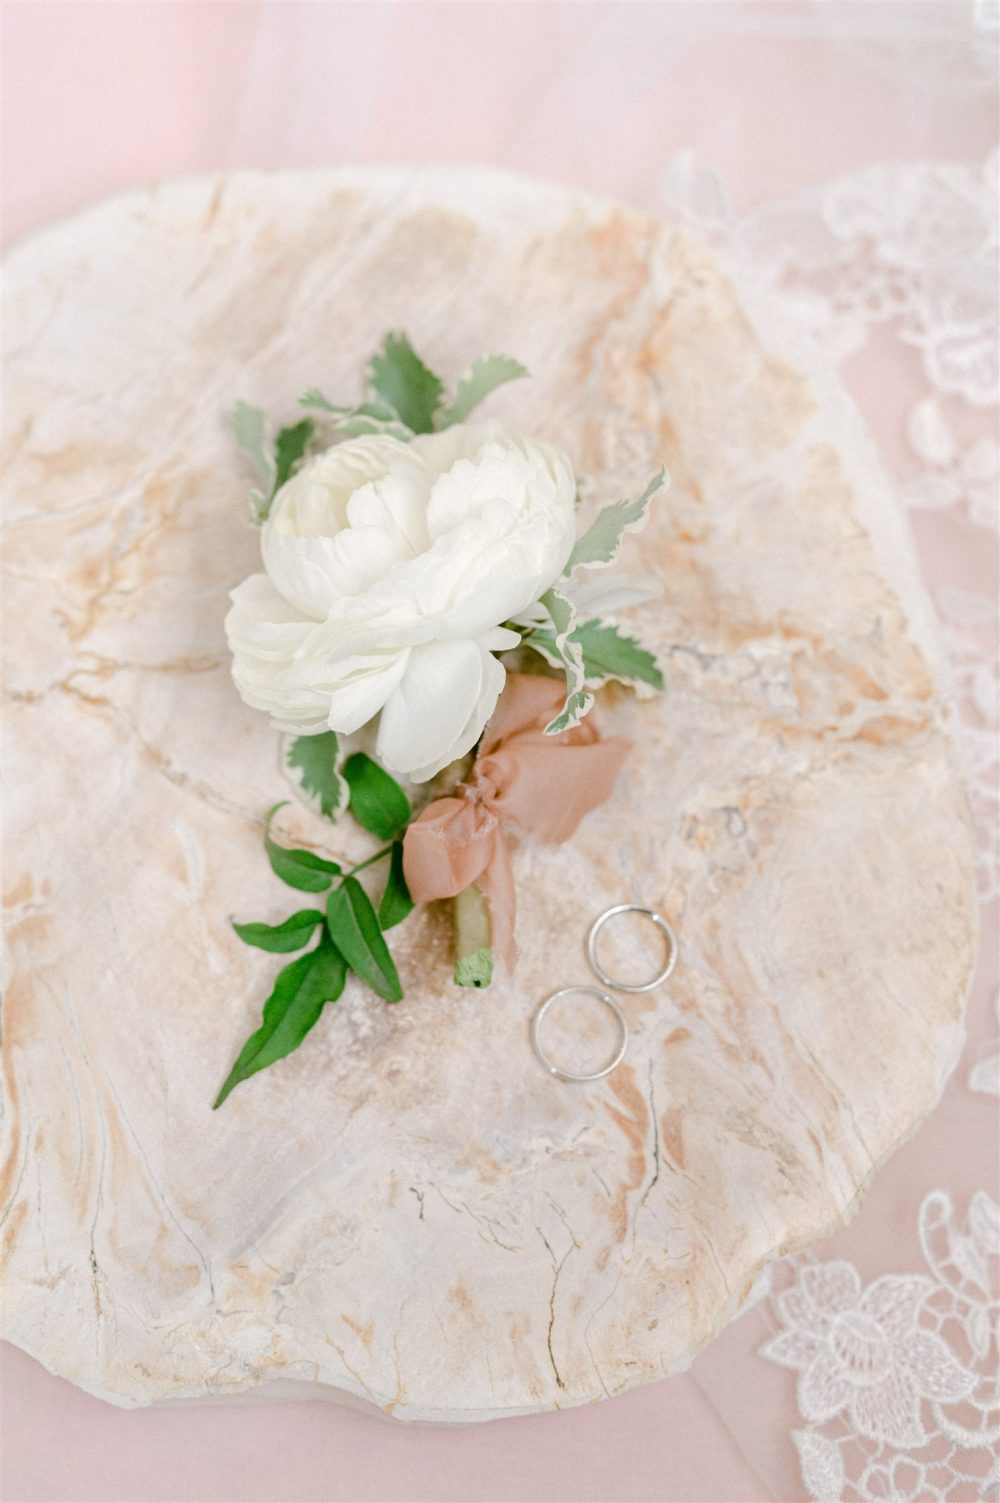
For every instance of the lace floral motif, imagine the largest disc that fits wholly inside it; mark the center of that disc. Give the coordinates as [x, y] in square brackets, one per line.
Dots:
[898, 1381]
[912, 249]
[862, 1350]
[955, 478]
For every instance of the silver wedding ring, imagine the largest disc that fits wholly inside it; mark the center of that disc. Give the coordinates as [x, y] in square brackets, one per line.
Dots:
[589, 991]
[665, 930]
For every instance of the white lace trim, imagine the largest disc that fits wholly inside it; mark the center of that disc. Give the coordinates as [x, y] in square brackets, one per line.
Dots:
[897, 1381]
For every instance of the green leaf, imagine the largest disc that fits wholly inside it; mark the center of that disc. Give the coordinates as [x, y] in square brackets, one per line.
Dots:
[602, 541]
[300, 992]
[608, 652]
[250, 431]
[380, 411]
[489, 372]
[578, 705]
[289, 451]
[543, 641]
[302, 869]
[578, 701]
[369, 417]
[281, 938]
[403, 381]
[316, 400]
[260, 505]
[396, 904]
[353, 426]
[377, 801]
[316, 759]
[354, 929]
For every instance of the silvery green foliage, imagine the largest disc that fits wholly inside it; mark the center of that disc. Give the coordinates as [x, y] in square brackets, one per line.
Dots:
[570, 656]
[601, 543]
[405, 396]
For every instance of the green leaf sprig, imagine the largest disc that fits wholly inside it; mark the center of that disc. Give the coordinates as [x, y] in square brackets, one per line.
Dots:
[312, 762]
[351, 929]
[406, 397]
[595, 651]
[290, 447]
[403, 397]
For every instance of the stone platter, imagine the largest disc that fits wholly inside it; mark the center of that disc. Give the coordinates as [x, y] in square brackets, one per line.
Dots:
[408, 1212]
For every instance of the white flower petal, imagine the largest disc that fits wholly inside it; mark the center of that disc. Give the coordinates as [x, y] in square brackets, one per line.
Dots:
[494, 677]
[432, 717]
[396, 503]
[390, 570]
[359, 695]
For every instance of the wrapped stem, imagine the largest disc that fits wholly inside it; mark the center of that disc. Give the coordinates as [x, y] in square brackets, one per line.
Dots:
[473, 939]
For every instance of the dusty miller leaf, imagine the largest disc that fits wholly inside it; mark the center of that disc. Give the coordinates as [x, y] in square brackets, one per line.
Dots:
[250, 431]
[601, 543]
[354, 426]
[402, 380]
[315, 757]
[489, 372]
[578, 701]
[289, 450]
[260, 505]
[350, 422]
[315, 400]
[608, 653]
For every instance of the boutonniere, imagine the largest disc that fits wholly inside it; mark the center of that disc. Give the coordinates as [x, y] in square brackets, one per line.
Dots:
[411, 561]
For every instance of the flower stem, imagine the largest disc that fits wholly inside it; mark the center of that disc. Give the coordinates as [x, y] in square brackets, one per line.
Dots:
[473, 939]
[370, 861]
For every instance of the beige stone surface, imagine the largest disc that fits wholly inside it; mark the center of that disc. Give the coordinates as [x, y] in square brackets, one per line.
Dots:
[408, 1212]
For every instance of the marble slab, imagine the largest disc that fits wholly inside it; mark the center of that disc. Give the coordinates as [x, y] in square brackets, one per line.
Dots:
[408, 1213]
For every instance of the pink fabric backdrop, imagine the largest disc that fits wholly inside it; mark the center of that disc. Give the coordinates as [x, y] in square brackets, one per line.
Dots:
[775, 97]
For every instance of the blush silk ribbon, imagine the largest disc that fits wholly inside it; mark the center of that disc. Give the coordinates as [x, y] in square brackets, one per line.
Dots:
[541, 785]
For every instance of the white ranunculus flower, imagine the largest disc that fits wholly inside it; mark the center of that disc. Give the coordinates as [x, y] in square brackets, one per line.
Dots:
[390, 567]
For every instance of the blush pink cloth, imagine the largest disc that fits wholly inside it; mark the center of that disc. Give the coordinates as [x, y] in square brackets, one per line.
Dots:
[541, 785]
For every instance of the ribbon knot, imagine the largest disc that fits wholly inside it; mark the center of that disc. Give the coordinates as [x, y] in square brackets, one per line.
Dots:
[539, 785]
